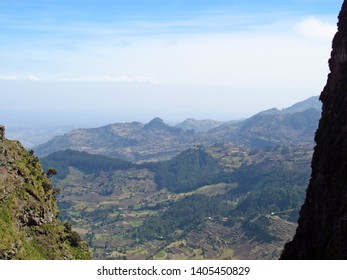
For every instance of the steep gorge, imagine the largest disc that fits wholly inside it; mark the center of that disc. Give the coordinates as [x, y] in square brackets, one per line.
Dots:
[322, 229]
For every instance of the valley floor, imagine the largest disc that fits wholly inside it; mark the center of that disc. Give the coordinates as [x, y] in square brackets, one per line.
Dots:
[124, 215]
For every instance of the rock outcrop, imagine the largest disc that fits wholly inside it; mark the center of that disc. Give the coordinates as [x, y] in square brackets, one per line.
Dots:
[2, 133]
[29, 225]
[322, 229]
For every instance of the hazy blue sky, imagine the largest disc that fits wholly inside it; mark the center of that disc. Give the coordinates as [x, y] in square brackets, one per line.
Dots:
[102, 61]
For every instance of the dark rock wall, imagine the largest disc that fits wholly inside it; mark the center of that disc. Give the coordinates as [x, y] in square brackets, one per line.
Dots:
[322, 230]
[2, 133]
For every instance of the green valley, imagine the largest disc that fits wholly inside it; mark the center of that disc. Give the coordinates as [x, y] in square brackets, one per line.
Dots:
[197, 190]
[217, 202]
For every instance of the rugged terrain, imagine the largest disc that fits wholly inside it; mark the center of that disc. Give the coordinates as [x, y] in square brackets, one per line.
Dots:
[154, 191]
[322, 229]
[180, 209]
[29, 228]
[158, 141]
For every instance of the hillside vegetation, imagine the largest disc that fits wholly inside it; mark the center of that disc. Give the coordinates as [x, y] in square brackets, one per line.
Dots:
[83, 161]
[188, 171]
[203, 203]
[154, 191]
[29, 228]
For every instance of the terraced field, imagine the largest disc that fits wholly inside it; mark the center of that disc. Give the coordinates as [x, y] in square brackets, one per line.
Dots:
[109, 208]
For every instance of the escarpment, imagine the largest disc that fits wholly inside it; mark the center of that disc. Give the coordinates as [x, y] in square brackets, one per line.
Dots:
[322, 229]
[29, 227]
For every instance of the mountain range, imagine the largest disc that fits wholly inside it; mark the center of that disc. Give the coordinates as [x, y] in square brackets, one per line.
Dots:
[197, 190]
[157, 140]
[200, 189]
[156, 191]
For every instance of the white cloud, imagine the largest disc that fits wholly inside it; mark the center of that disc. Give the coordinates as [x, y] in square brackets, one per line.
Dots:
[15, 78]
[8, 78]
[32, 78]
[314, 28]
[118, 79]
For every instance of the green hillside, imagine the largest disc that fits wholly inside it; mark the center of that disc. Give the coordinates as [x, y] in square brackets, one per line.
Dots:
[29, 228]
[188, 171]
[207, 202]
[61, 161]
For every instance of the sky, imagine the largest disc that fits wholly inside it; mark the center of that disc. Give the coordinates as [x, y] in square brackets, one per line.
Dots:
[94, 62]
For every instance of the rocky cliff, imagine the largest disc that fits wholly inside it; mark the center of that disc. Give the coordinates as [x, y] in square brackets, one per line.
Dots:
[29, 227]
[322, 230]
[2, 133]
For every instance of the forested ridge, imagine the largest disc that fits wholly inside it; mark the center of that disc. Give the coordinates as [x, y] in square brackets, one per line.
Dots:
[234, 190]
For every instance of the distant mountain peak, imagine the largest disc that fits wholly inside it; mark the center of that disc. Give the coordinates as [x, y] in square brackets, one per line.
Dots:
[157, 140]
[312, 102]
[199, 125]
[156, 123]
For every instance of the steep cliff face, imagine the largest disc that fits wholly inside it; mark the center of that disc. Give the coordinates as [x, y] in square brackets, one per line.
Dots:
[2, 133]
[29, 228]
[322, 230]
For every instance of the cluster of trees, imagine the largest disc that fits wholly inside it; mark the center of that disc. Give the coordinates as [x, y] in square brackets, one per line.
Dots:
[61, 161]
[270, 174]
[190, 212]
[188, 171]
[264, 187]
[271, 199]
[258, 228]
[187, 213]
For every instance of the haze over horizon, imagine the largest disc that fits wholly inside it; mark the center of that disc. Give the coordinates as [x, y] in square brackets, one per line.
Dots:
[97, 62]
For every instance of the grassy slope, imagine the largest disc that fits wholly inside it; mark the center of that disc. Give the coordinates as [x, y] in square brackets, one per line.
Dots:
[29, 228]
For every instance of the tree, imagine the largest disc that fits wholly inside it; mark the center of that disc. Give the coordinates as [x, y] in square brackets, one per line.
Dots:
[51, 172]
